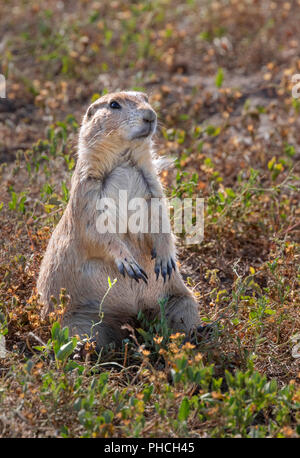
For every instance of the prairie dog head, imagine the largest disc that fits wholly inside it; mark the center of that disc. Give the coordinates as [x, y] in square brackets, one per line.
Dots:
[118, 121]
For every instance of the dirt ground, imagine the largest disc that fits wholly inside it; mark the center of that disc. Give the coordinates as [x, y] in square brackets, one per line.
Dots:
[219, 74]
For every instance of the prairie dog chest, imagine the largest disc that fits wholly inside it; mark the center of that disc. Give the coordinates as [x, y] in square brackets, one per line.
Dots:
[129, 180]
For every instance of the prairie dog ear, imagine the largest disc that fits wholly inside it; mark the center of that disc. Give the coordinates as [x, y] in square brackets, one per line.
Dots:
[145, 96]
[90, 112]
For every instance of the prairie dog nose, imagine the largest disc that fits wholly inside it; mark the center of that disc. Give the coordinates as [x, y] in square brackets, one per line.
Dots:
[149, 115]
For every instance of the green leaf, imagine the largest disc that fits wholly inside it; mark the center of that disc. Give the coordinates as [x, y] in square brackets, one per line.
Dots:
[55, 330]
[219, 78]
[290, 150]
[65, 350]
[95, 97]
[108, 416]
[184, 409]
[65, 192]
[65, 333]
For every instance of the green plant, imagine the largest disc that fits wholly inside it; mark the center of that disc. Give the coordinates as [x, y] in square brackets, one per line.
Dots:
[156, 327]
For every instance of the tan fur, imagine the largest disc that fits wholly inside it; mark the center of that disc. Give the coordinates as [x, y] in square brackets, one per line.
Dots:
[80, 259]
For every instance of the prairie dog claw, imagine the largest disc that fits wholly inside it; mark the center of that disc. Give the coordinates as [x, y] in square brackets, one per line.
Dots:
[163, 265]
[133, 270]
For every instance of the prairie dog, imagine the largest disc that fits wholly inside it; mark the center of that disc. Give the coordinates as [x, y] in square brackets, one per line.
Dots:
[115, 152]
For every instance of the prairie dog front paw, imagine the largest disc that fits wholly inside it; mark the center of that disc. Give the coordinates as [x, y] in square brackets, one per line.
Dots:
[132, 268]
[165, 262]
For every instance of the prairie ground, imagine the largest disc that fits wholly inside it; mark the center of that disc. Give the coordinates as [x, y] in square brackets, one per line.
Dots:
[219, 74]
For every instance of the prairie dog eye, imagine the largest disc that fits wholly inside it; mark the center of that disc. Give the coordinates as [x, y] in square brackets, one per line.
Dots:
[115, 105]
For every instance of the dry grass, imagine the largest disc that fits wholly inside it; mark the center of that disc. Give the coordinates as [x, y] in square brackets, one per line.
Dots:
[236, 143]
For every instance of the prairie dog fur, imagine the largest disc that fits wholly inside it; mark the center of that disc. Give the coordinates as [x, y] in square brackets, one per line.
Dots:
[115, 152]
